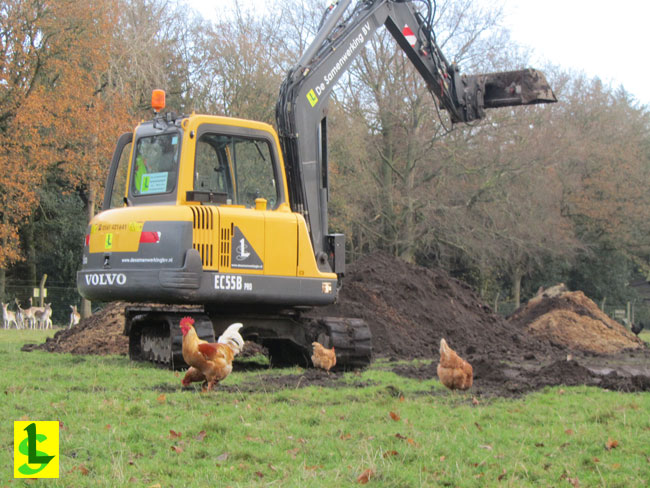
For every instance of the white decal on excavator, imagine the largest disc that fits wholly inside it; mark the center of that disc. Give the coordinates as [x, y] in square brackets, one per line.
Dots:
[231, 283]
[242, 251]
[244, 255]
[103, 279]
[347, 54]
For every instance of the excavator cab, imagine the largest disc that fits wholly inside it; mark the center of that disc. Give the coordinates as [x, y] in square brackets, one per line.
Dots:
[204, 218]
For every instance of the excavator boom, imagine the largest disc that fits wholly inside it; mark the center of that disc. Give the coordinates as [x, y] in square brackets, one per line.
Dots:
[301, 110]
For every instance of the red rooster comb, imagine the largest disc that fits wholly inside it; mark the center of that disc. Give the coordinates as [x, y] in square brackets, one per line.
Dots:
[185, 321]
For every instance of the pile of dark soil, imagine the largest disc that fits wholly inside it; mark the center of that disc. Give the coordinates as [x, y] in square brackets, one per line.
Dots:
[99, 334]
[409, 309]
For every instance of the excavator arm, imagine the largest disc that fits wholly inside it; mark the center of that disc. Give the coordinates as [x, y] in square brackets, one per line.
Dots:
[301, 110]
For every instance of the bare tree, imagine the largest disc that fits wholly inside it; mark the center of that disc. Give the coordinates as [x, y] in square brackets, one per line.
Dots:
[405, 134]
[607, 166]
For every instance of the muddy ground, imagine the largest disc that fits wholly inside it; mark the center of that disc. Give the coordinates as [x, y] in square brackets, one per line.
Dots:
[410, 308]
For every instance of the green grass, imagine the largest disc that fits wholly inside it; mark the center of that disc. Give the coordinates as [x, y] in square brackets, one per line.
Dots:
[118, 416]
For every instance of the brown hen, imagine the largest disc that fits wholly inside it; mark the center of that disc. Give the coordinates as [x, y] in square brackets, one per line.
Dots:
[454, 372]
[323, 358]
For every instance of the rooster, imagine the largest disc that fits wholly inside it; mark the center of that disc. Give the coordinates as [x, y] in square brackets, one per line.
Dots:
[454, 372]
[209, 362]
[323, 358]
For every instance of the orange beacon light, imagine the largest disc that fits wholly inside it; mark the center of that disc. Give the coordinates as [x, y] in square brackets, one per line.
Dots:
[158, 100]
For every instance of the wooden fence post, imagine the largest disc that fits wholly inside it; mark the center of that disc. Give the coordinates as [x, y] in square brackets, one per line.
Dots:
[41, 288]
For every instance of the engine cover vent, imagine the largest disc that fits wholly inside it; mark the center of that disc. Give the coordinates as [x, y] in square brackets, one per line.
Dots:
[224, 248]
[203, 235]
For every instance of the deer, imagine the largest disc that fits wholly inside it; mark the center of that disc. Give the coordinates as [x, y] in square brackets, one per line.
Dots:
[26, 315]
[74, 316]
[20, 320]
[42, 316]
[8, 316]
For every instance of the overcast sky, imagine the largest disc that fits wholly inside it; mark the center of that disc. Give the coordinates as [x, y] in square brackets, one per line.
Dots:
[608, 39]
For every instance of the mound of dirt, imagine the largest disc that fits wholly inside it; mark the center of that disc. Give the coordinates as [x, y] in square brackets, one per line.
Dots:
[574, 321]
[410, 308]
[99, 334]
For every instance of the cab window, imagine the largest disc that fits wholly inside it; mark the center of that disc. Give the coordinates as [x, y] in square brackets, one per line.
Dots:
[239, 168]
[156, 164]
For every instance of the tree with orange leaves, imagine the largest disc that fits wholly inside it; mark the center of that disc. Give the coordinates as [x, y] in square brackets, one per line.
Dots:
[56, 110]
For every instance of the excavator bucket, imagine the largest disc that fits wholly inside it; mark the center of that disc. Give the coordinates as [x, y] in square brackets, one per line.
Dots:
[493, 90]
[524, 87]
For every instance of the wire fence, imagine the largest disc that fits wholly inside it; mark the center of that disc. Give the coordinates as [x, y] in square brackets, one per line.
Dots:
[504, 308]
[61, 297]
[629, 313]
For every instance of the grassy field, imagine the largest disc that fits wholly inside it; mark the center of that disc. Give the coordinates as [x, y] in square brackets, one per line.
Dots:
[126, 424]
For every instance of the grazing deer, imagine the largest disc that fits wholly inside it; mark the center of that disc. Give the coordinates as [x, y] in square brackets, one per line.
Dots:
[20, 320]
[42, 316]
[8, 316]
[74, 316]
[26, 315]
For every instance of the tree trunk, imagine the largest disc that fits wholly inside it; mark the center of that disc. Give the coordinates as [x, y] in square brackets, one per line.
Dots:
[2, 284]
[30, 250]
[41, 291]
[409, 231]
[86, 305]
[387, 204]
[496, 302]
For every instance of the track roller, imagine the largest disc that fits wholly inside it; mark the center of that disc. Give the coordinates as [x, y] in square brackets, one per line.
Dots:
[155, 336]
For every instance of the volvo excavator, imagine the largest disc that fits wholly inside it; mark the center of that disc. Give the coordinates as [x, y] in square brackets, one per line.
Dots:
[225, 219]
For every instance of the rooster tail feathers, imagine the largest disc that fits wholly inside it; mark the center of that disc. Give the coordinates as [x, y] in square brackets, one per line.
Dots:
[232, 337]
[443, 346]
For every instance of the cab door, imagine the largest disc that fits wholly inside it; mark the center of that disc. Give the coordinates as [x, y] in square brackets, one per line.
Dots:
[115, 191]
[237, 169]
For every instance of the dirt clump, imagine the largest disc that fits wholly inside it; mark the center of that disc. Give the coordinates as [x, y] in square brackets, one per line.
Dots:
[574, 321]
[99, 334]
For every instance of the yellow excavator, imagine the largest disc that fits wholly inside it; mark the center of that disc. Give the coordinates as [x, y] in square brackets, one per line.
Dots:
[225, 219]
